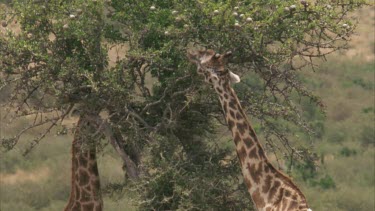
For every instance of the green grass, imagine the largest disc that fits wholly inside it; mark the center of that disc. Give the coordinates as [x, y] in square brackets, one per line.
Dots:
[348, 142]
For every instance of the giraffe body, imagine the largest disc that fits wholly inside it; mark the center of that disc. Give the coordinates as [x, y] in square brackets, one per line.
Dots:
[85, 192]
[270, 189]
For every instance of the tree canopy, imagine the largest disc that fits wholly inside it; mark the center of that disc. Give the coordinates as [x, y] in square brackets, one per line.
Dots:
[154, 98]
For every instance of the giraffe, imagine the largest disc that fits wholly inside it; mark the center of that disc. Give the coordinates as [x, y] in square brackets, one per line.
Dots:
[270, 189]
[85, 192]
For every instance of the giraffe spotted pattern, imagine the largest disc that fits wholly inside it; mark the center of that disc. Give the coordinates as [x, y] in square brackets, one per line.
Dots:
[270, 189]
[85, 192]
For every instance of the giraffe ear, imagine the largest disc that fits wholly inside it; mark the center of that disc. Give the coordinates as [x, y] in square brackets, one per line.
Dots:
[234, 78]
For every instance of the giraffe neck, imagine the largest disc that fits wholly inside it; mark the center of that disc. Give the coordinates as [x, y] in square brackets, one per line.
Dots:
[269, 188]
[85, 192]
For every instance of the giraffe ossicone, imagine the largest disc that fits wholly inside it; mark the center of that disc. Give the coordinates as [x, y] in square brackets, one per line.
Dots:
[270, 189]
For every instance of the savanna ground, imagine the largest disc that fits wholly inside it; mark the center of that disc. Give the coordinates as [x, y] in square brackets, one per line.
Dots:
[343, 181]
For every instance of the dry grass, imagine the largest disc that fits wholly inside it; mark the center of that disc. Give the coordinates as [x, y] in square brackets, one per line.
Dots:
[21, 176]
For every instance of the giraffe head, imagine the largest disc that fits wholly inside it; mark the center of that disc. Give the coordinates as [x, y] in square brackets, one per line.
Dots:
[212, 66]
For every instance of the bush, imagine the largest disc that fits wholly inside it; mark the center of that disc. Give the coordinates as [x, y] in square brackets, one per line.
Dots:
[325, 182]
[362, 83]
[307, 170]
[336, 135]
[367, 136]
[368, 110]
[346, 152]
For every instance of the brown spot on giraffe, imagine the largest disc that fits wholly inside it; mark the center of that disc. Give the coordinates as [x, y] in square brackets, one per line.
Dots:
[258, 199]
[239, 116]
[231, 112]
[242, 154]
[267, 167]
[253, 153]
[267, 184]
[237, 138]
[275, 186]
[241, 127]
[87, 207]
[230, 124]
[232, 104]
[261, 153]
[287, 193]
[226, 97]
[225, 107]
[279, 198]
[83, 178]
[255, 172]
[248, 142]
[270, 184]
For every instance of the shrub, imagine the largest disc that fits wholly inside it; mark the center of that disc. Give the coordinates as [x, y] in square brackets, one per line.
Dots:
[336, 136]
[362, 83]
[325, 182]
[367, 136]
[368, 110]
[346, 152]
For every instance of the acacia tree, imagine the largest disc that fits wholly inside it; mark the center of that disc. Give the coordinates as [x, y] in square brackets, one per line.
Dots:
[158, 107]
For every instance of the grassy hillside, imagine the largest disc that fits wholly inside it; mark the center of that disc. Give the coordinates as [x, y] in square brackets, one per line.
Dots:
[346, 84]
[344, 181]
[347, 146]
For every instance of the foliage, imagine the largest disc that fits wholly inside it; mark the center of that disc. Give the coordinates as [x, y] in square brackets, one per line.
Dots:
[345, 151]
[179, 181]
[337, 136]
[59, 61]
[325, 182]
[367, 137]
